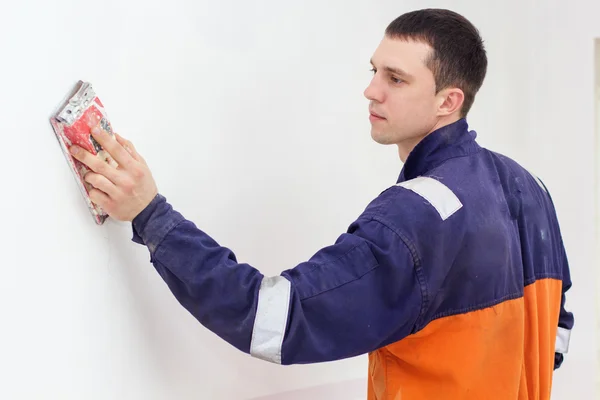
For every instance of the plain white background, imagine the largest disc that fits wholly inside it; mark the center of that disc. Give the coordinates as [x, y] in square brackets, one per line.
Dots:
[252, 118]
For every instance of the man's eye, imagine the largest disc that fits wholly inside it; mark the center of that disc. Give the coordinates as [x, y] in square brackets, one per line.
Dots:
[373, 70]
[396, 80]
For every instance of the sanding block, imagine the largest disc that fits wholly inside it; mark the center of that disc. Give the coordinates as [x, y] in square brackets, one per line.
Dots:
[72, 122]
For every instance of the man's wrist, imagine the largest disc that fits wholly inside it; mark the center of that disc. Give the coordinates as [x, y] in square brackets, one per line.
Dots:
[140, 220]
[154, 222]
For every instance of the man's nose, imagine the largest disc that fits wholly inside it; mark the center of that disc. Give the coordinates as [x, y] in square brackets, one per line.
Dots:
[373, 92]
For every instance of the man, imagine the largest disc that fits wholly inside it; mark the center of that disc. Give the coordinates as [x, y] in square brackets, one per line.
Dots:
[453, 280]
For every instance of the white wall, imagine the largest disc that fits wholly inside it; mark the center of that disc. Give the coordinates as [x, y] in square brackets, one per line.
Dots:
[597, 181]
[264, 100]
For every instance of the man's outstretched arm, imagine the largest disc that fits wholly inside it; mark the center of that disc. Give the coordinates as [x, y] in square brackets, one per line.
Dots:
[348, 299]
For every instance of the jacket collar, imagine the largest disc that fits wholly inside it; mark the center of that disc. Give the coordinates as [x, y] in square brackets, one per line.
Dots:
[447, 142]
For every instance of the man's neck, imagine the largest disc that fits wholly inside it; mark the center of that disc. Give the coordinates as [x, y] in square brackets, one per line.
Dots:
[406, 147]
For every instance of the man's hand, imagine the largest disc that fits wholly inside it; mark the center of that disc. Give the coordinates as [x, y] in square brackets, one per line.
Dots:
[122, 192]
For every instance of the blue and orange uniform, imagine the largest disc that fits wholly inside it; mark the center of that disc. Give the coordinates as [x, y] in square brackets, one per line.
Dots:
[452, 280]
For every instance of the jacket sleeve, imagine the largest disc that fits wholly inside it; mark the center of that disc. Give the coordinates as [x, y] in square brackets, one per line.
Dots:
[350, 298]
[565, 318]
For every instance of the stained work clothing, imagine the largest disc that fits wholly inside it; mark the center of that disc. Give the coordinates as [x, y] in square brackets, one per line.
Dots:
[453, 281]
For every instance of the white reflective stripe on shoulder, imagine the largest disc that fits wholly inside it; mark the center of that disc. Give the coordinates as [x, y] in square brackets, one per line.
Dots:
[538, 180]
[563, 337]
[271, 319]
[436, 193]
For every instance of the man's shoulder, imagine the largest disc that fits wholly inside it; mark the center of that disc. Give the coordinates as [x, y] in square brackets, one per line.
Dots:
[425, 202]
[521, 177]
[509, 165]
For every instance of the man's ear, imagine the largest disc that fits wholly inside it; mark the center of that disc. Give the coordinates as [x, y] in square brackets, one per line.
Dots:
[450, 100]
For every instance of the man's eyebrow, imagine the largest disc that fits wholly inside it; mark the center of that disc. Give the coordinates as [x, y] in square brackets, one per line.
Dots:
[394, 70]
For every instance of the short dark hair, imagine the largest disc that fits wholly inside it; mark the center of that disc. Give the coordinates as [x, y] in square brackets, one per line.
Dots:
[458, 58]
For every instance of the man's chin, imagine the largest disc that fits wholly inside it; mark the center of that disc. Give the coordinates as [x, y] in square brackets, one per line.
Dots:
[381, 137]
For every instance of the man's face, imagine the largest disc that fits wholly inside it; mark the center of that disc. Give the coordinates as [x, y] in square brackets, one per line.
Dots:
[403, 103]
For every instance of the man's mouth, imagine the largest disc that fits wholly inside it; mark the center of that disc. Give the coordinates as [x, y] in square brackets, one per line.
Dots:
[374, 116]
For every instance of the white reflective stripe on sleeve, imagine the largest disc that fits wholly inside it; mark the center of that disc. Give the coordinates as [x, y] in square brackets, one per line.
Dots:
[563, 336]
[436, 193]
[271, 319]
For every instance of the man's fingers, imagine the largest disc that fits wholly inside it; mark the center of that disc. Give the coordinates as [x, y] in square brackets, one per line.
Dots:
[101, 182]
[95, 163]
[113, 147]
[127, 145]
[101, 199]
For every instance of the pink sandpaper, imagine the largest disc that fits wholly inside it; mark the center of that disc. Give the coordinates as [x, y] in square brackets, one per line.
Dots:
[77, 115]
